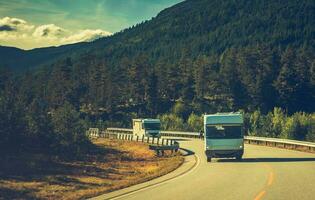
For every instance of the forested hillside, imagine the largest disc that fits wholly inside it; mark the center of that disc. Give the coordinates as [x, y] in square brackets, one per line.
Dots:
[200, 56]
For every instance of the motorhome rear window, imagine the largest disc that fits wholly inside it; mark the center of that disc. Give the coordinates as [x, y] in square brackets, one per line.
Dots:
[224, 132]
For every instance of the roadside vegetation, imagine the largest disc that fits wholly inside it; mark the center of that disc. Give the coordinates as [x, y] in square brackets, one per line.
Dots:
[274, 124]
[110, 166]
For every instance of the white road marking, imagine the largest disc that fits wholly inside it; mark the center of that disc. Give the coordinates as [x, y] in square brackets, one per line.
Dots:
[161, 183]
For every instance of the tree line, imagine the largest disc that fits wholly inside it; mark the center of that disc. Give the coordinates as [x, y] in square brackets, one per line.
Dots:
[196, 57]
[52, 107]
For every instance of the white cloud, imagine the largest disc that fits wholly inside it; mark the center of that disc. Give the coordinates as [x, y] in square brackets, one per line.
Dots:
[19, 33]
[87, 35]
[49, 30]
[15, 24]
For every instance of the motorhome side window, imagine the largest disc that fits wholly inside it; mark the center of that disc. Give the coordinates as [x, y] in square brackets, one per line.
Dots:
[219, 131]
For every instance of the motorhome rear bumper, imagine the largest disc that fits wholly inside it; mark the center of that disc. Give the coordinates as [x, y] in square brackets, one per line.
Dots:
[224, 153]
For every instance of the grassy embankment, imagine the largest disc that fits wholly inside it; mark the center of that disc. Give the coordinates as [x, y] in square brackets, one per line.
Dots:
[114, 165]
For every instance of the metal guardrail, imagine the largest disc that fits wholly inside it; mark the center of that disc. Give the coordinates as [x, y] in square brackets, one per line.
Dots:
[119, 130]
[180, 134]
[163, 133]
[282, 143]
[160, 145]
[275, 142]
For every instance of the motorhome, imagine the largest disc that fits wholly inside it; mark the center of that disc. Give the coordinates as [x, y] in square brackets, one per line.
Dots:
[146, 127]
[224, 135]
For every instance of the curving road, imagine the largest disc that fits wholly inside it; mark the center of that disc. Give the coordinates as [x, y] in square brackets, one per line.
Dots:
[264, 173]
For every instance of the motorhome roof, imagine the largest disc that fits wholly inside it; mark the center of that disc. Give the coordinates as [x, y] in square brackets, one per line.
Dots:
[224, 113]
[224, 118]
[148, 120]
[151, 120]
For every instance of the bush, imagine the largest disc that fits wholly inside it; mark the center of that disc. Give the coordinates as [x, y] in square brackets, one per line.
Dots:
[255, 121]
[195, 122]
[299, 126]
[171, 122]
[181, 109]
[69, 131]
[311, 132]
[278, 121]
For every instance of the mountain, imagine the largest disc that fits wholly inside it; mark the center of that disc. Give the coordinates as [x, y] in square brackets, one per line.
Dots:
[194, 27]
[213, 55]
[23, 60]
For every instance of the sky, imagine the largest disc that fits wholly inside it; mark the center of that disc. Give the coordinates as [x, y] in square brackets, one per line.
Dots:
[31, 24]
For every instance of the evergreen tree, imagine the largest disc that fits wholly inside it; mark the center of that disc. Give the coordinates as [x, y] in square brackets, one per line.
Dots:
[60, 84]
[152, 95]
[69, 130]
[201, 76]
[292, 83]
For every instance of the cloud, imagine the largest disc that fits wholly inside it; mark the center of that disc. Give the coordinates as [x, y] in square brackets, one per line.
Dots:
[20, 33]
[49, 30]
[87, 35]
[15, 24]
[6, 28]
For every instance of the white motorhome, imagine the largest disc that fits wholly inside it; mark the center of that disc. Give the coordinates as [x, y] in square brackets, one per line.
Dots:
[224, 135]
[146, 127]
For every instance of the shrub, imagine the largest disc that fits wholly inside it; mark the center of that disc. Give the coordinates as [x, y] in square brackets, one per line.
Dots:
[195, 122]
[299, 126]
[278, 121]
[69, 131]
[181, 109]
[171, 122]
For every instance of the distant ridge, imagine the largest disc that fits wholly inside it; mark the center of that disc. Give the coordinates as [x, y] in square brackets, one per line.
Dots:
[192, 27]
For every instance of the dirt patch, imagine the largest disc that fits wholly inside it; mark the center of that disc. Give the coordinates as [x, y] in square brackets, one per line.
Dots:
[113, 165]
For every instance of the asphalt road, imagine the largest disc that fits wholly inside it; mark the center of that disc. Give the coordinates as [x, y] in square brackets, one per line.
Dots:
[264, 173]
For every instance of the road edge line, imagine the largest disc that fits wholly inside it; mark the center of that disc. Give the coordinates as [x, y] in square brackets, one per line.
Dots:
[196, 163]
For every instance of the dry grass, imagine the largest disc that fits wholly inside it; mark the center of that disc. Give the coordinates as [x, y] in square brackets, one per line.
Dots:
[115, 165]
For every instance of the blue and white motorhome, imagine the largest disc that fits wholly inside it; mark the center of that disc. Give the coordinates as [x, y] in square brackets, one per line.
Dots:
[224, 135]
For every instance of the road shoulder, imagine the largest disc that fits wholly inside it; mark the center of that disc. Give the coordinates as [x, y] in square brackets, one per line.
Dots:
[190, 163]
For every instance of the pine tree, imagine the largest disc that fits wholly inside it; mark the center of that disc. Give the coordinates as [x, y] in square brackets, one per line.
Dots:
[152, 94]
[234, 87]
[287, 83]
[60, 85]
[201, 76]
[69, 130]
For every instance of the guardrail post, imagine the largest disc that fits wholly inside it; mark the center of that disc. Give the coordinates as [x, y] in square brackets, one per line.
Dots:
[142, 138]
[158, 140]
[137, 138]
[162, 141]
[148, 139]
[132, 137]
